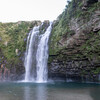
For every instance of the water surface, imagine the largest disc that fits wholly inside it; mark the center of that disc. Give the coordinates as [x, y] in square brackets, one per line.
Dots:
[49, 91]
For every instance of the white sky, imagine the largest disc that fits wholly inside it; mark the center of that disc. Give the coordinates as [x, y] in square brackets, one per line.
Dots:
[28, 10]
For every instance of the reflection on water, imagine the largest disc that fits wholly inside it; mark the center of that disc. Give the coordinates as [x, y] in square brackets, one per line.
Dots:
[38, 93]
[27, 93]
[48, 91]
[41, 92]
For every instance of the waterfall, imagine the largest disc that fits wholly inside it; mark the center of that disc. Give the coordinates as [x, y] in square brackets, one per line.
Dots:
[36, 55]
[42, 56]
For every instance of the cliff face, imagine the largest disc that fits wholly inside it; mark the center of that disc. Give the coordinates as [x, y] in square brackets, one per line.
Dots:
[13, 38]
[75, 42]
[74, 45]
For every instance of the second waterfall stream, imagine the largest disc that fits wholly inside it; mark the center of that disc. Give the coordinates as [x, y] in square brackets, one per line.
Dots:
[36, 55]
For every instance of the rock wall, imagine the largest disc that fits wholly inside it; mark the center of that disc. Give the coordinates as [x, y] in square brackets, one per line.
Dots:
[4, 73]
[74, 47]
[13, 38]
[74, 51]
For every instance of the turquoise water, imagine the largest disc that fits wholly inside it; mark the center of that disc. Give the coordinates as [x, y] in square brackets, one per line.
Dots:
[49, 91]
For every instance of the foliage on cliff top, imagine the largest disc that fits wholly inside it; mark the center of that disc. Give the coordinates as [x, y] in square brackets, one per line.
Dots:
[13, 38]
[75, 9]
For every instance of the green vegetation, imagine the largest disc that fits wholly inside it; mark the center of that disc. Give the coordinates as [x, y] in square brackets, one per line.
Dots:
[91, 48]
[13, 40]
[78, 19]
[62, 31]
[61, 28]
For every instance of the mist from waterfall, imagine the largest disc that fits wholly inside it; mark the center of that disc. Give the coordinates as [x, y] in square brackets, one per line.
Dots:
[36, 55]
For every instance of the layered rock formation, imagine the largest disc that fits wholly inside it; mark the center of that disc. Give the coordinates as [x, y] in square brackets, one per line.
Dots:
[4, 73]
[74, 51]
[75, 42]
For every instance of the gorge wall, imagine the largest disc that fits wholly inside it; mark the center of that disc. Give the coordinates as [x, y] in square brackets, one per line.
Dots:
[13, 38]
[75, 42]
[74, 51]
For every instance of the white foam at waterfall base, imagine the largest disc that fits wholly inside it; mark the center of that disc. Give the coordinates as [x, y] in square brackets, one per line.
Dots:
[36, 55]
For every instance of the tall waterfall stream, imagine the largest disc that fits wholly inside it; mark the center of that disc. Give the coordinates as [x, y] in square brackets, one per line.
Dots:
[36, 55]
